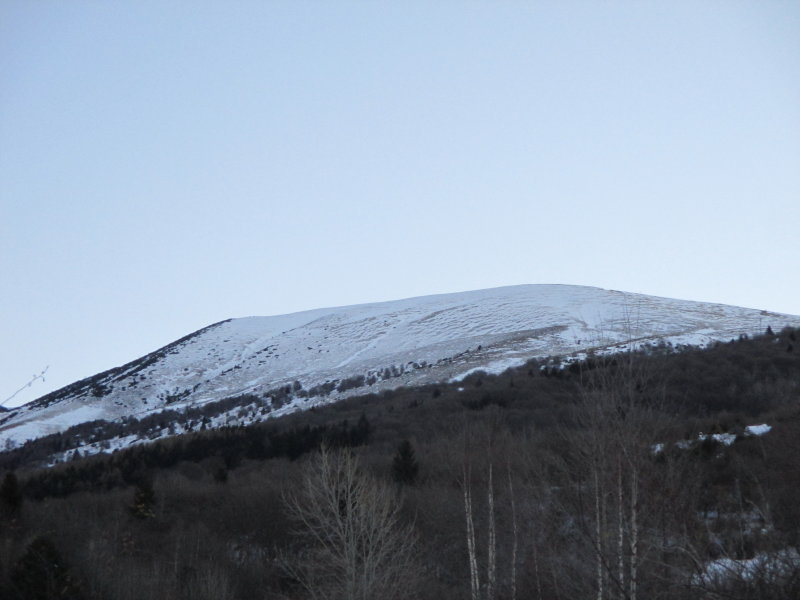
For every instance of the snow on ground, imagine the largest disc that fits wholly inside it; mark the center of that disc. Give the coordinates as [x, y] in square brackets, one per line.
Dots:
[405, 342]
[768, 567]
[726, 438]
[492, 368]
[758, 429]
[54, 421]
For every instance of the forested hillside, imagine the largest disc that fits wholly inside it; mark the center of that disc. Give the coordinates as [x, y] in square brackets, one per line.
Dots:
[660, 474]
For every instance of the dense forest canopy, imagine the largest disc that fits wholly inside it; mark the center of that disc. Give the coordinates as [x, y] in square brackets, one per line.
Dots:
[650, 474]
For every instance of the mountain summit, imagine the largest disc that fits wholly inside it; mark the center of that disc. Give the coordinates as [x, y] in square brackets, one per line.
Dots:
[295, 361]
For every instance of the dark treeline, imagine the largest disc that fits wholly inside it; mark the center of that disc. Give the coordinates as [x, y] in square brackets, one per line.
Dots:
[624, 477]
[231, 445]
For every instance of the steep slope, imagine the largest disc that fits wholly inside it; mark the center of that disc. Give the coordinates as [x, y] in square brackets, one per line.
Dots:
[329, 353]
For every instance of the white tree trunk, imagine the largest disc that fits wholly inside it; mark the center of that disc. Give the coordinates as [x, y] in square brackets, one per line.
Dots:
[491, 566]
[599, 533]
[634, 541]
[620, 531]
[474, 577]
[514, 541]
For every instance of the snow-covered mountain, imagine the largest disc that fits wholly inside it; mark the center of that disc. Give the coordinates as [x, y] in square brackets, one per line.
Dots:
[302, 359]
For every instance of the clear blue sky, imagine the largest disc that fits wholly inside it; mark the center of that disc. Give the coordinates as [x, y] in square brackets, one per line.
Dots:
[166, 165]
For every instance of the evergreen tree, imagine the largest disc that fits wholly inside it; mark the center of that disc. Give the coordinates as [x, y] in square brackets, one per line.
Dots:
[360, 435]
[404, 465]
[41, 574]
[144, 499]
[10, 495]
[221, 475]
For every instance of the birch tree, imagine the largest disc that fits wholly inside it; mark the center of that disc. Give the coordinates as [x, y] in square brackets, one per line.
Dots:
[617, 424]
[488, 586]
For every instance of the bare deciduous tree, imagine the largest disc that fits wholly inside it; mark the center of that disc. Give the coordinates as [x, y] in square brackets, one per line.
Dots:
[505, 552]
[611, 464]
[357, 546]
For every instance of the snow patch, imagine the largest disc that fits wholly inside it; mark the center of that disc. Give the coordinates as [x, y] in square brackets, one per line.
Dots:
[769, 567]
[758, 429]
[492, 368]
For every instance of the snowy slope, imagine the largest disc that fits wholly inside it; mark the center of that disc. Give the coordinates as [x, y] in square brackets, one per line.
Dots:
[372, 346]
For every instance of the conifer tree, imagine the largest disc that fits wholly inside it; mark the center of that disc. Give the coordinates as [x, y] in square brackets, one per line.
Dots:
[404, 465]
[41, 574]
[144, 499]
[363, 428]
[10, 495]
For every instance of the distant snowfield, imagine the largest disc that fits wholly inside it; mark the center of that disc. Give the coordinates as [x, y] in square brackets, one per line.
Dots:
[405, 342]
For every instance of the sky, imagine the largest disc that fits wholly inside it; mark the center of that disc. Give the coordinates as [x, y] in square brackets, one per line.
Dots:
[168, 165]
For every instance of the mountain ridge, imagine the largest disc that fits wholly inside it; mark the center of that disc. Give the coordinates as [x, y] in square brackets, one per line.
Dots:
[325, 354]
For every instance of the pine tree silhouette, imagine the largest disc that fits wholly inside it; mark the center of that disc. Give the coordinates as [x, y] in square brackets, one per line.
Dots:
[10, 495]
[404, 465]
[41, 574]
[144, 499]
